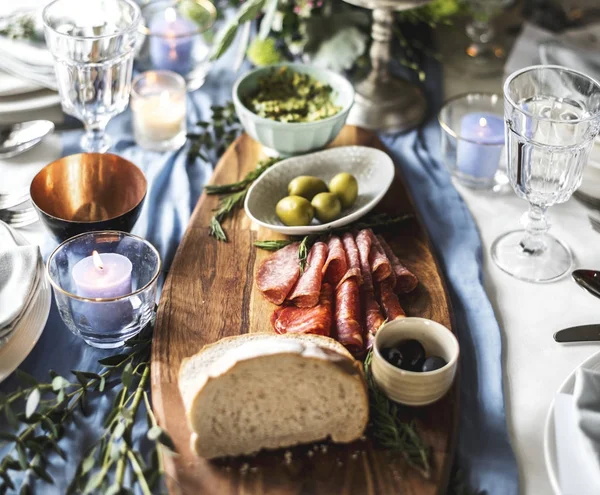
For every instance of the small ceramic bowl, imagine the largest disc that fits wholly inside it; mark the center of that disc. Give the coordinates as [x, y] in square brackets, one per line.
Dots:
[88, 192]
[373, 169]
[409, 387]
[288, 138]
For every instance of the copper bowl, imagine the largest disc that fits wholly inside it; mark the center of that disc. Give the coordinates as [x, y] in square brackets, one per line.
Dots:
[88, 191]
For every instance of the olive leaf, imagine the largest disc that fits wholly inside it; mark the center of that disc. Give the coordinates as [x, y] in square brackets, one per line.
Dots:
[33, 400]
[224, 40]
[249, 10]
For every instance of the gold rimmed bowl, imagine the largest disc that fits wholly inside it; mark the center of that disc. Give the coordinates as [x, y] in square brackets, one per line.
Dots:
[88, 192]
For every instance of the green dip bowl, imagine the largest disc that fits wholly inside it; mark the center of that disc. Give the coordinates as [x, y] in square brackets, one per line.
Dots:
[294, 138]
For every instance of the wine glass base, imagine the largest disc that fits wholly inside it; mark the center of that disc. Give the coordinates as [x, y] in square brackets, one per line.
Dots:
[539, 266]
[95, 145]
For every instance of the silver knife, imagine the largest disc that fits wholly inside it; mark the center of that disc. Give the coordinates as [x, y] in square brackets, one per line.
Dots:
[583, 333]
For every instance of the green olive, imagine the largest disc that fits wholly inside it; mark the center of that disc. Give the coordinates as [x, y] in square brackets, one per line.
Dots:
[306, 186]
[294, 211]
[327, 206]
[346, 188]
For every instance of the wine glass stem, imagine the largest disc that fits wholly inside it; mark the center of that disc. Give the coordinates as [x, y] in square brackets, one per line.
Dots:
[480, 31]
[95, 139]
[536, 226]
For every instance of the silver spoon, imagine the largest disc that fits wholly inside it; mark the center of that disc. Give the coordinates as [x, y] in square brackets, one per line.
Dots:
[589, 280]
[17, 138]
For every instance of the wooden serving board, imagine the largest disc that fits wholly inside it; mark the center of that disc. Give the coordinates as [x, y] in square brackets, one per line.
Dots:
[210, 294]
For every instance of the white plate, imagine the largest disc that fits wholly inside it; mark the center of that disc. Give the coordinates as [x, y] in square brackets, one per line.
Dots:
[11, 85]
[43, 98]
[591, 363]
[29, 329]
[373, 169]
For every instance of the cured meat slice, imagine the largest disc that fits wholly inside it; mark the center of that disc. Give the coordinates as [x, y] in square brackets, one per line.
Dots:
[389, 300]
[306, 292]
[347, 316]
[278, 273]
[352, 257]
[317, 320]
[406, 281]
[335, 266]
[381, 266]
[371, 311]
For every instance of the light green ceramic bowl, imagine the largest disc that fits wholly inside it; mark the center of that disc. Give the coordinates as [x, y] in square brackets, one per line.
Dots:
[294, 138]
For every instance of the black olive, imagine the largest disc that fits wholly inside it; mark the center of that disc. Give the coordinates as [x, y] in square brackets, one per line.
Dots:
[392, 356]
[434, 363]
[413, 354]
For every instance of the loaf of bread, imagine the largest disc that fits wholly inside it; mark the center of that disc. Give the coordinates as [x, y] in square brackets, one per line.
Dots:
[255, 391]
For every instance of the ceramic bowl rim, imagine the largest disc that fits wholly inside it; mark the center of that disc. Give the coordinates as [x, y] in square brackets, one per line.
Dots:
[340, 81]
[84, 222]
[421, 322]
[325, 227]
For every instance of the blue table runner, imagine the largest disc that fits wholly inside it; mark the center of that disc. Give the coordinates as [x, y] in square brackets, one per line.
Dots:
[175, 184]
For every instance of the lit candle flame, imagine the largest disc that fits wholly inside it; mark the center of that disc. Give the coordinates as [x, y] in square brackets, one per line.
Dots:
[97, 260]
[482, 122]
[170, 15]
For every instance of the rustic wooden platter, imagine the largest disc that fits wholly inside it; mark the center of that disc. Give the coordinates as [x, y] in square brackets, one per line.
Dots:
[210, 294]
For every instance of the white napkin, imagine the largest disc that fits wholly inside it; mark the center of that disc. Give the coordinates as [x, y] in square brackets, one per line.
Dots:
[577, 427]
[20, 275]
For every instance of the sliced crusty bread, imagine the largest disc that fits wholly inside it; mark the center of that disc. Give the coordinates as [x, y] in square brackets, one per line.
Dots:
[257, 391]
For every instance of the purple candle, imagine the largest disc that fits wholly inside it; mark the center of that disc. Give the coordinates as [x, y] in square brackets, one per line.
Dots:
[480, 145]
[171, 42]
[102, 276]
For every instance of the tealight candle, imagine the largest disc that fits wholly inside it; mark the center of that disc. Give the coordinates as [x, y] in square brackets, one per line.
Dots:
[158, 103]
[102, 276]
[480, 145]
[171, 42]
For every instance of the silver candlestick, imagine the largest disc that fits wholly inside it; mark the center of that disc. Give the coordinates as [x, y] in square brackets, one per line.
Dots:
[384, 102]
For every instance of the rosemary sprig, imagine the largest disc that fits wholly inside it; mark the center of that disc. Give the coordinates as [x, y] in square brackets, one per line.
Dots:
[233, 196]
[20, 27]
[273, 245]
[380, 220]
[390, 432]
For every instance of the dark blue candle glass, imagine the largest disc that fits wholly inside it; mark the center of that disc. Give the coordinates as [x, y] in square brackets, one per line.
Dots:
[178, 38]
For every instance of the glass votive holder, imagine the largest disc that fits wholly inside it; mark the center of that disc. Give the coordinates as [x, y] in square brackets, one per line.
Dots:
[105, 285]
[473, 138]
[158, 105]
[179, 38]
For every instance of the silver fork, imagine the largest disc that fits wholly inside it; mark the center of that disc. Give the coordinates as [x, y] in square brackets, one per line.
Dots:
[19, 218]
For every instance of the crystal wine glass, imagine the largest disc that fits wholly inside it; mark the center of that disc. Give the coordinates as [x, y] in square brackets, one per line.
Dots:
[484, 50]
[93, 47]
[552, 116]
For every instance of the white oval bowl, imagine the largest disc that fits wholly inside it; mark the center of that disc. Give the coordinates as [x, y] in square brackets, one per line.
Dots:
[373, 169]
[410, 387]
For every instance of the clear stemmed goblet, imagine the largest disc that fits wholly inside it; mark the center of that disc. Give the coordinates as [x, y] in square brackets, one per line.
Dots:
[93, 47]
[552, 116]
[484, 50]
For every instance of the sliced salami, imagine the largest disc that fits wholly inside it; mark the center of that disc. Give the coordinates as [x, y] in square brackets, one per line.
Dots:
[348, 318]
[335, 266]
[278, 273]
[306, 292]
[389, 300]
[317, 320]
[372, 315]
[406, 281]
[381, 266]
[352, 258]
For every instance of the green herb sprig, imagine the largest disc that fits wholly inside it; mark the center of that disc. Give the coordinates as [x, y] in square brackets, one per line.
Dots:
[215, 135]
[380, 220]
[51, 407]
[20, 27]
[389, 431]
[232, 197]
